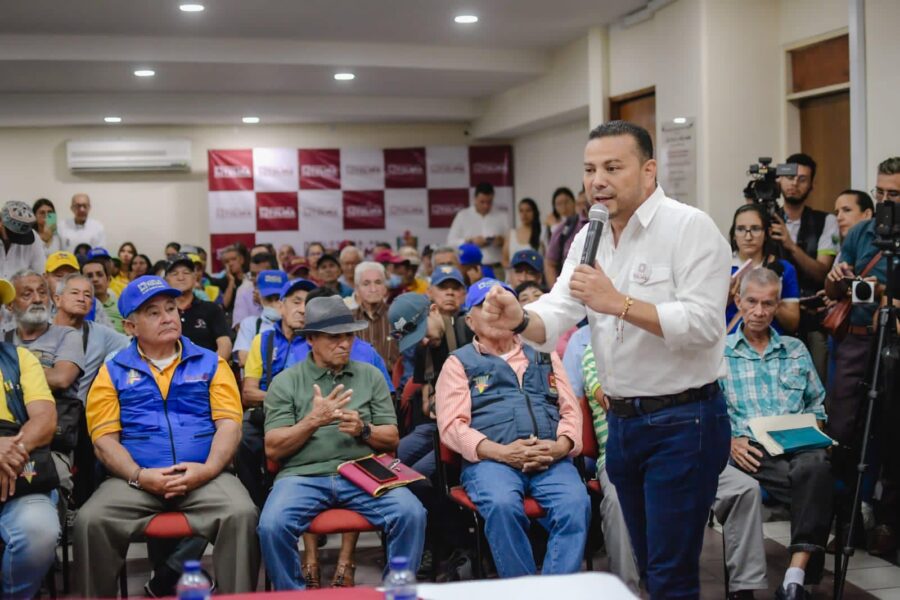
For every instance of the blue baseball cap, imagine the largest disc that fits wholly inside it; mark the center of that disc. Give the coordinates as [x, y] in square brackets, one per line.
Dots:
[470, 254]
[269, 283]
[446, 272]
[528, 257]
[478, 290]
[408, 316]
[141, 290]
[297, 284]
[98, 252]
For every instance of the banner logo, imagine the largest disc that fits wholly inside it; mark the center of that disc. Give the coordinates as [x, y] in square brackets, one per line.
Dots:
[364, 210]
[276, 211]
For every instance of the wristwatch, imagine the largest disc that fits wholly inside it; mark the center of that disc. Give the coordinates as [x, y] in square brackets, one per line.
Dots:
[365, 433]
[135, 480]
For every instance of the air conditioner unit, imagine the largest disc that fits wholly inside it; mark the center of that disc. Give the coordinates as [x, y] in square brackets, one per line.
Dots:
[138, 154]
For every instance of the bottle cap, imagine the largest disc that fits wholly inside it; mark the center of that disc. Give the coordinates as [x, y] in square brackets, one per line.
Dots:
[192, 566]
[399, 563]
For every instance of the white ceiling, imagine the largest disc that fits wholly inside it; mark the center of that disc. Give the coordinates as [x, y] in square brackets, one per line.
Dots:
[71, 62]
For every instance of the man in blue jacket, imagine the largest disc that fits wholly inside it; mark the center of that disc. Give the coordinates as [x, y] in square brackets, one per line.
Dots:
[165, 419]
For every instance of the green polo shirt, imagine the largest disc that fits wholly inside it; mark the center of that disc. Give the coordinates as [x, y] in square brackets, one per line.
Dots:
[111, 308]
[289, 399]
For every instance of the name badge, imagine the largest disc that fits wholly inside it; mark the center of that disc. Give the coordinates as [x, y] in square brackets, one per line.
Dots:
[641, 273]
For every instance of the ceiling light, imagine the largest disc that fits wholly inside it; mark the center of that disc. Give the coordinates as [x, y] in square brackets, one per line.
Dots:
[113, 119]
[144, 73]
[344, 76]
[192, 8]
[250, 120]
[466, 19]
[679, 120]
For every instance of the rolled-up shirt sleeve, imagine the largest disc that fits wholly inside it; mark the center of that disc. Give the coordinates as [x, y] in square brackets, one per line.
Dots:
[570, 417]
[453, 403]
[558, 310]
[696, 318]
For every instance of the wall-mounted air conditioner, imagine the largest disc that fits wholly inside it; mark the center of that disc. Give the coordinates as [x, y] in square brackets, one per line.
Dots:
[137, 154]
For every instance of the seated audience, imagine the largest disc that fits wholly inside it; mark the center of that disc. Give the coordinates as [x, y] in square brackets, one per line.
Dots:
[202, 322]
[427, 266]
[447, 290]
[750, 240]
[371, 294]
[445, 256]
[172, 250]
[509, 411]
[285, 253]
[163, 377]
[314, 251]
[97, 272]
[408, 269]
[329, 269]
[529, 291]
[236, 261]
[350, 256]
[738, 507]
[470, 258]
[268, 286]
[127, 253]
[771, 375]
[302, 406]
[29, 521]
[140, 266]
[525, 265]
[246, 303]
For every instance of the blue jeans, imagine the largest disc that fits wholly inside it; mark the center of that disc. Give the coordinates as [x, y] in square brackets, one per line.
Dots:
[29, 526]
[498, 491]
[416, 449]
[295, 501]
[665, 467]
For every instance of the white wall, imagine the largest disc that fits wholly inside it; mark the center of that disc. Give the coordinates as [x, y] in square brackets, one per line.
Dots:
[883, 82]
[800, 20]
[152, 209]
[548, 159]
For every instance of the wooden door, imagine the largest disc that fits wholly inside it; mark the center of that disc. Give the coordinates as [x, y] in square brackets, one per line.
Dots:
[638, 108]
[825, 135]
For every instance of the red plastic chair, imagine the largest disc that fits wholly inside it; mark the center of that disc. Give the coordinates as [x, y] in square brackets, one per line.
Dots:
[589, 449]
[163, 526]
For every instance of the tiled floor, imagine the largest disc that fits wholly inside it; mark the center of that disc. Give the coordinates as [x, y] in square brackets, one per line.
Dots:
[868, 577]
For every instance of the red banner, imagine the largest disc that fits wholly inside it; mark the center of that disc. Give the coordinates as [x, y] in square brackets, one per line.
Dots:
[276, 211]
[444, 204]
[364, 210]
[230, 170]
[490, 164]
[320, 169]
[405, 168]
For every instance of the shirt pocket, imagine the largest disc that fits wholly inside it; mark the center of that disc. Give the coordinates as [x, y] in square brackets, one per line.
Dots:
[650, 283]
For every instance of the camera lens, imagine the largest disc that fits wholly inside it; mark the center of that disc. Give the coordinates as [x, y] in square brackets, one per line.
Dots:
[862, 290]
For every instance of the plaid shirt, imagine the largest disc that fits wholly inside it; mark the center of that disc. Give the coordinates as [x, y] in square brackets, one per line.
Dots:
[783, 381]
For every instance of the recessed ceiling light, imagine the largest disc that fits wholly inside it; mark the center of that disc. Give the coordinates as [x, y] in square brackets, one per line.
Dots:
[466, 19]
[344, 76]
[192, 8]
[113, 119]
[250, 120]
[679, 120]
[144, 73]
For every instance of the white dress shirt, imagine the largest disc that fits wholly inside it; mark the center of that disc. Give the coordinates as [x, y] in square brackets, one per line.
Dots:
[22, 256]
[673, 256]
[469, 223]
[72, 234]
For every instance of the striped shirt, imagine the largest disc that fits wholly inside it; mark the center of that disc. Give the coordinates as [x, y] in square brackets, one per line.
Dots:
[591, 386]
[781, 381]
[379, 333]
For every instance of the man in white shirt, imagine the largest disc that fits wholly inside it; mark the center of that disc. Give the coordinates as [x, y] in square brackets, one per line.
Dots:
[81, 229]
[653, 300]
[479, 225]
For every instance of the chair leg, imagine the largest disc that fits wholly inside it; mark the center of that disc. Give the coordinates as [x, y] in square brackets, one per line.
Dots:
[123, 580]
[725, 566]
[478, 567]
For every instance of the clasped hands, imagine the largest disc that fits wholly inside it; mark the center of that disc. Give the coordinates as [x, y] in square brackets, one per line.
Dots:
[330, 408]
[13, 457]
[532, 455]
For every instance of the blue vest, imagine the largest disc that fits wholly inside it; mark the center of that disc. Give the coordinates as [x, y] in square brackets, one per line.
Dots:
[161, 432]
[502, 409]
[285, 353]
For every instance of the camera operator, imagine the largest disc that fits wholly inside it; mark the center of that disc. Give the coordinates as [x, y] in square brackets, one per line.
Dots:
[845, 402]
[810, 242]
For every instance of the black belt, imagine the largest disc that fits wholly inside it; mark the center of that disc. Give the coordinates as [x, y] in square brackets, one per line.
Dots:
[626, 408]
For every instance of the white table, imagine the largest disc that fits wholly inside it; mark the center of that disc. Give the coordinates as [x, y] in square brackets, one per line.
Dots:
[578, 586]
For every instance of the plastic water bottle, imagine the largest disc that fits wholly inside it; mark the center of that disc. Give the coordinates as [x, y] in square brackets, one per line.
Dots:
[193, 584]
[400, 583]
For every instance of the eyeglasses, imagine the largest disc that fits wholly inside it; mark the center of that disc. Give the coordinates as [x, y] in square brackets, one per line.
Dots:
[880, 194]
[408, 326]
[753, 230]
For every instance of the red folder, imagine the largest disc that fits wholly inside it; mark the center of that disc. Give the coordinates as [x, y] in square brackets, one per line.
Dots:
[364, 481]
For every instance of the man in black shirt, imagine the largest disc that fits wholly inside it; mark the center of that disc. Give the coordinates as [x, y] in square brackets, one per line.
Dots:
[201, 322]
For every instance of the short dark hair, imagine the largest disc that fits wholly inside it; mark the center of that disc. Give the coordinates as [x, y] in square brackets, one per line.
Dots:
[863, 200]
[526, 285]
[889, 166]
[484, 188]
[265, 258]
[102, 263]
[804, 160]
[616, 128]
[175, 245]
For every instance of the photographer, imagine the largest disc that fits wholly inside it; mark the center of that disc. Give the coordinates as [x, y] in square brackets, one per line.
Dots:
[853, 356]
[810, 240]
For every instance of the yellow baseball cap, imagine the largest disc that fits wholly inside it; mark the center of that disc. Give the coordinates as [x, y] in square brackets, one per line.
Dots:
[195, 258]
[7, 292]
[61, 259]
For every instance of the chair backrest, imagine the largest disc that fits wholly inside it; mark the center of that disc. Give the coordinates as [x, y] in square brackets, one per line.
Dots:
[589, 446]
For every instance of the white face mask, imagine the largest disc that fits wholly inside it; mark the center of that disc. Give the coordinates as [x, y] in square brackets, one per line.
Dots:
[270, 314]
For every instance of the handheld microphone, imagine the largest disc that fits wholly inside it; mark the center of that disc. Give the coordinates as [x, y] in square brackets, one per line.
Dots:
[598, 217]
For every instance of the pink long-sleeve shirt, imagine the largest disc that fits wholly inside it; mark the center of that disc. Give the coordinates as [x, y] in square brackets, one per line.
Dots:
[454, 403]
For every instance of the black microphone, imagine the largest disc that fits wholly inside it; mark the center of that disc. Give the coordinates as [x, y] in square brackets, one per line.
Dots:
[598, 217]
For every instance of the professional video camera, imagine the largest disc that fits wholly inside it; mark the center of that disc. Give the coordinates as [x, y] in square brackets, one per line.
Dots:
[764, 185]
[887, 225]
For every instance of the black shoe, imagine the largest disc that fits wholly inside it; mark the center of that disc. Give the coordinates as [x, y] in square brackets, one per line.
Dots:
[794, 591]
[162, 582]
